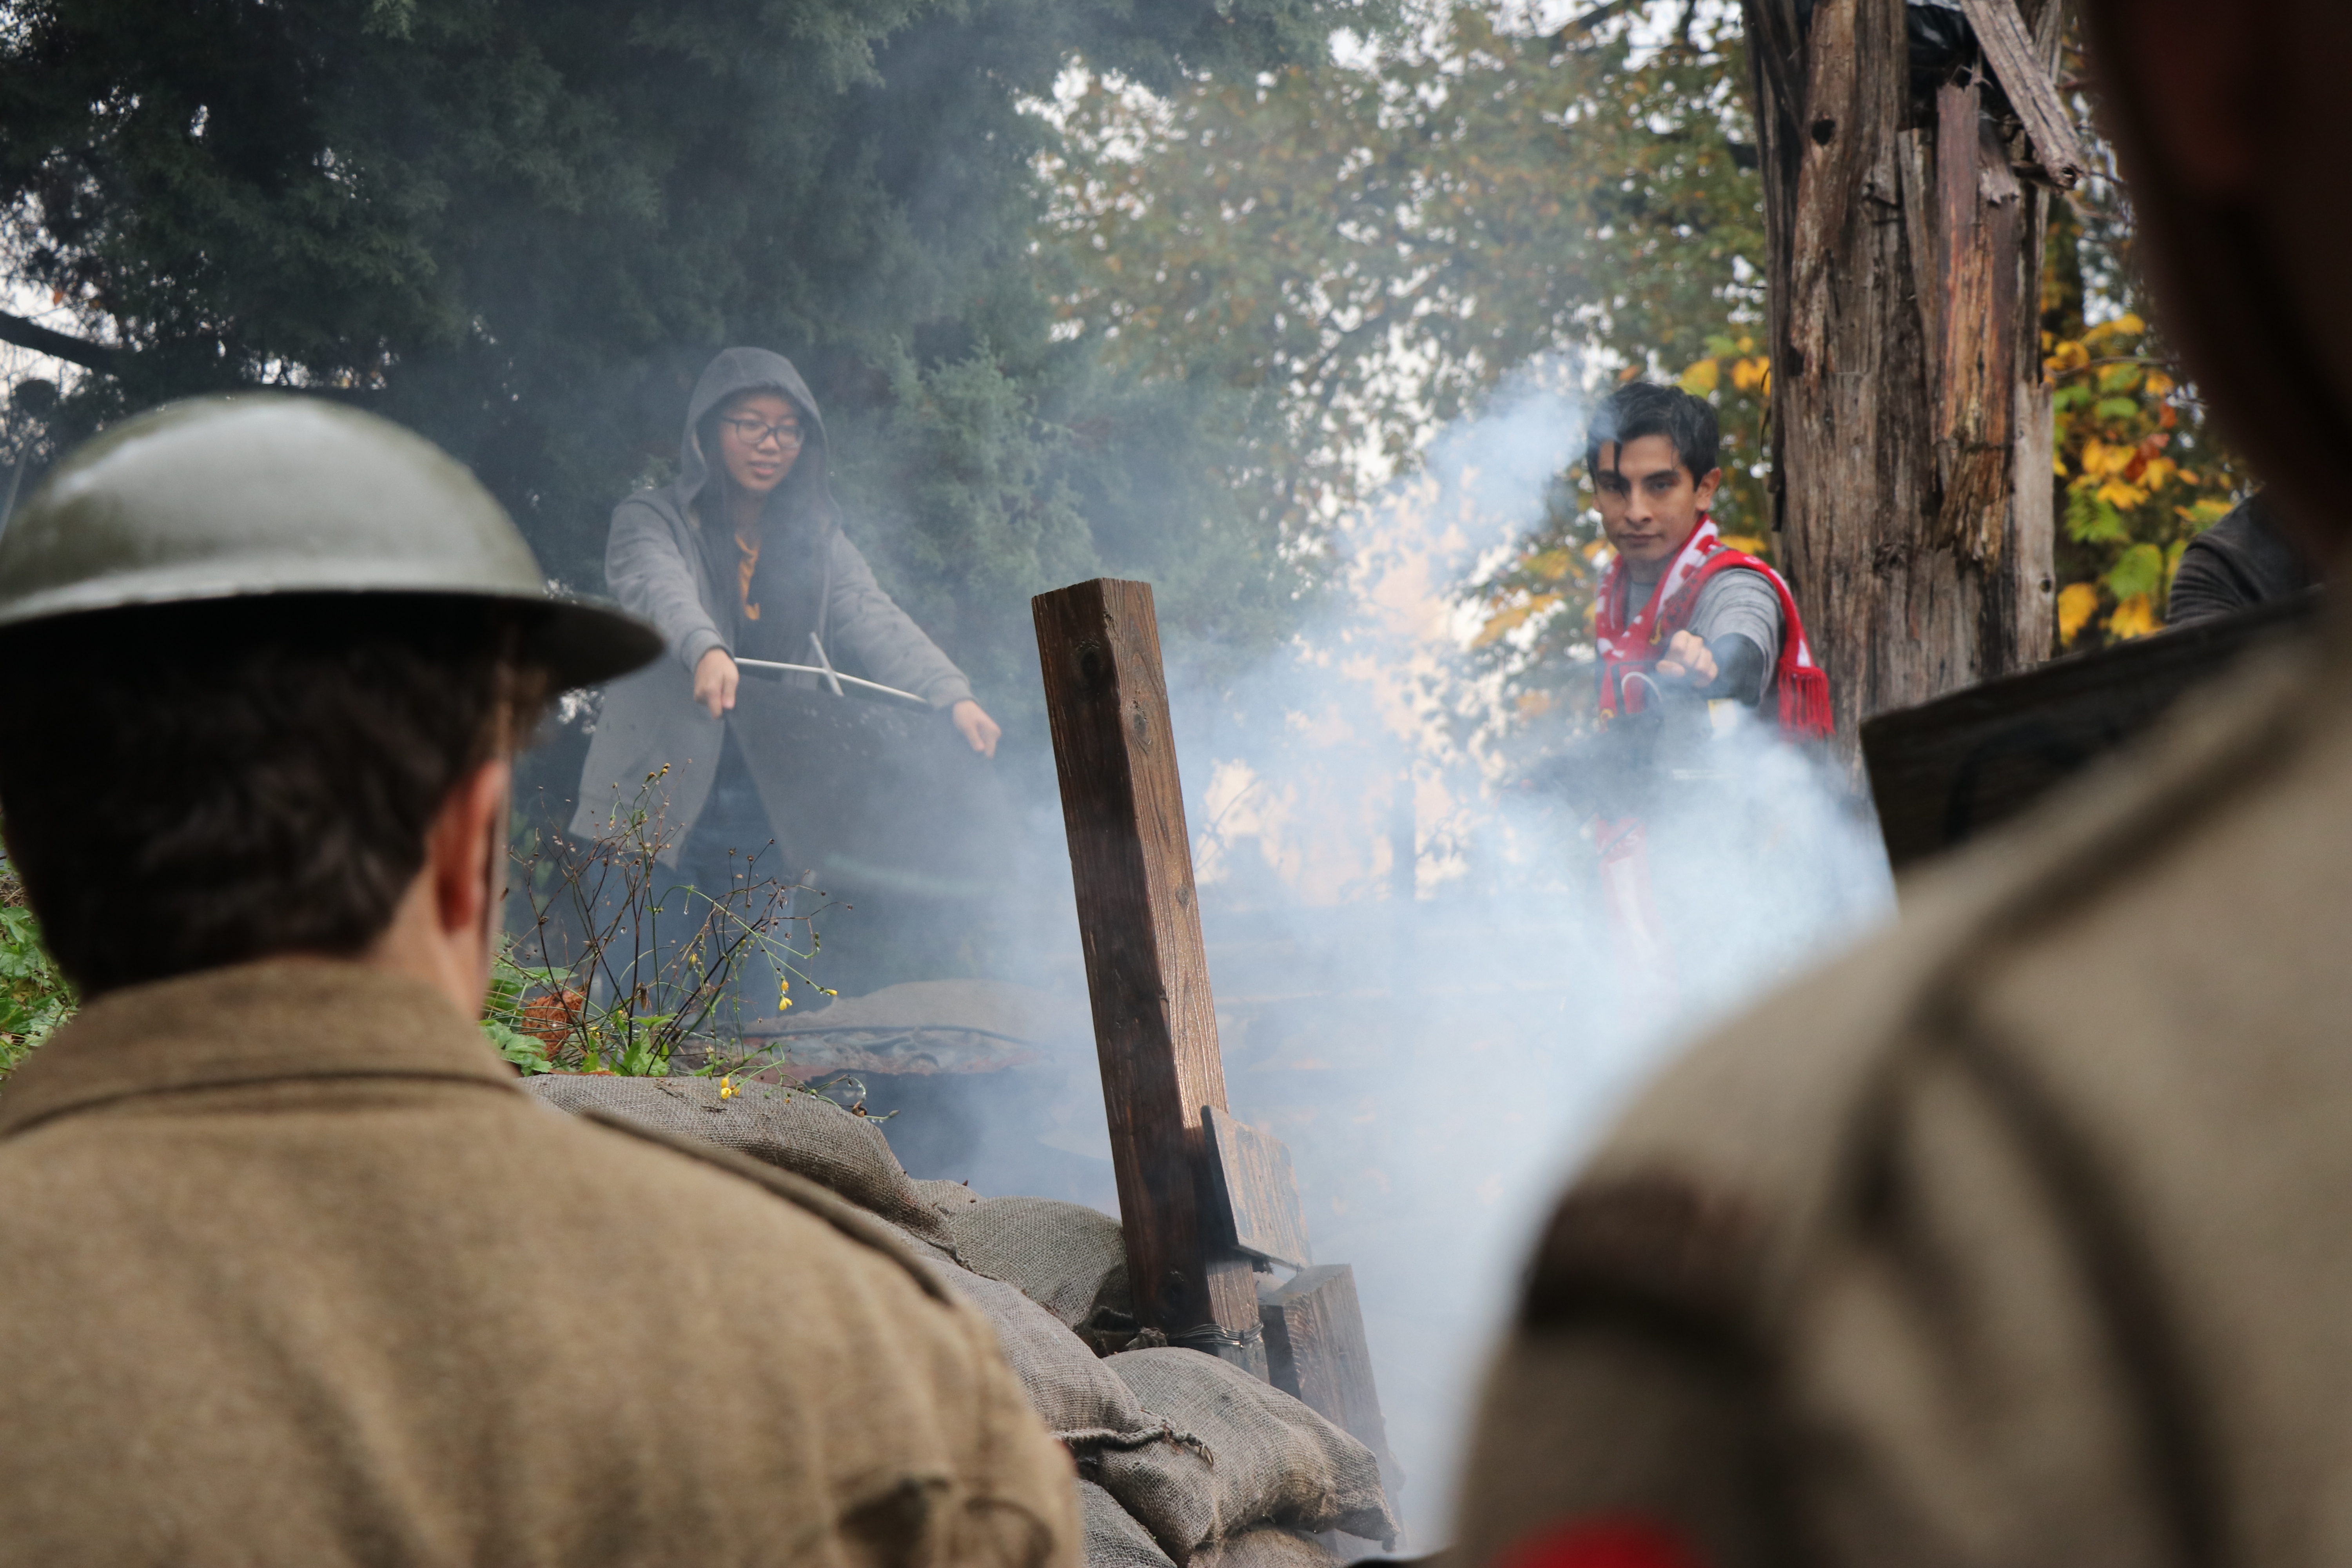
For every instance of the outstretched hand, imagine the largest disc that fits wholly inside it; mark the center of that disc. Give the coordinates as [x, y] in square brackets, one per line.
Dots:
[972, 722]
[714, 681]
[1688, 659]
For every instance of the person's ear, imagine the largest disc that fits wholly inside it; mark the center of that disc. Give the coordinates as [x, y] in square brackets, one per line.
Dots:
[466, 851]
[1708, 487]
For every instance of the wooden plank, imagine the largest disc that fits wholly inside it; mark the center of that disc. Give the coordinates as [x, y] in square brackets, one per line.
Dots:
[1257, 1190]
[1317, 1352]
[2032, 560]
[1147, 971]
[2009, 50]
[1946, 770]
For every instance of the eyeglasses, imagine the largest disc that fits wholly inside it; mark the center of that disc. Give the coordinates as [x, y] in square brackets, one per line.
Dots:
[755, 433]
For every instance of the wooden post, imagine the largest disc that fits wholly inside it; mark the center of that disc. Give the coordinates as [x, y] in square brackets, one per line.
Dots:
[1147, 973]
[1316, 1352]
[1257, 1190]
[1904, 273]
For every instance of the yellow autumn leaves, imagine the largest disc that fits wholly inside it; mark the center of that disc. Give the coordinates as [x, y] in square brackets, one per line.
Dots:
[2136, 481]
[1748, 371]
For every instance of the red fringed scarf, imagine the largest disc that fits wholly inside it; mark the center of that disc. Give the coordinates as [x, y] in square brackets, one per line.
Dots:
[1628, 643]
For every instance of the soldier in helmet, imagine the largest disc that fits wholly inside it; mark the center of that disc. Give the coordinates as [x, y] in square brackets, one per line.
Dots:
[290, 1269]
[2023, 1234]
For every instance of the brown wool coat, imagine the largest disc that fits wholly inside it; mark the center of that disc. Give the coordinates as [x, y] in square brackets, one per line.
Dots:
[290, 1272]
[2023, 1235]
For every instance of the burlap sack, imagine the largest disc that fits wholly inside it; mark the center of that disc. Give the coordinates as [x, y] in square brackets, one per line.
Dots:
[1275, 1461]
[1113, 1539]
[1068, 1259]
[947, 1196]
[798, 1132]
[1081, 1400]
[1267, 1546]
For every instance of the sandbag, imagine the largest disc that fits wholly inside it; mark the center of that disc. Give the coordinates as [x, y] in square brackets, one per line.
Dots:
[1274, 1460]
[1082, 1402]
[1267, 1546]
[1113, 1539]
[947, 1196]
[1068, 1259]
[800, 1132]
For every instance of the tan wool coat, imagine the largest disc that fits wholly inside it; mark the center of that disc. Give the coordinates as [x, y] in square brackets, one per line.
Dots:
[290, 1272]
[2022, 1236]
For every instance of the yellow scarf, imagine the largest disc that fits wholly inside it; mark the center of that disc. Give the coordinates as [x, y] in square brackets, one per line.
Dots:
[749, 544]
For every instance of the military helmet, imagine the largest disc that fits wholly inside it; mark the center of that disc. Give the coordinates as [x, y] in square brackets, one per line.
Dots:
[250, 494]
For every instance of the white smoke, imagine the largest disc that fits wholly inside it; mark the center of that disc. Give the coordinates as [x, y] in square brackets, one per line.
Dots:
[1416, 987]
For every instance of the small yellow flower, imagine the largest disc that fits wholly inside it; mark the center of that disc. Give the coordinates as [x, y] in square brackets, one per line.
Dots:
[727, 1089]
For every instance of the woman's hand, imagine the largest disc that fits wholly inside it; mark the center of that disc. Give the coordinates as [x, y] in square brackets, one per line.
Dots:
[970, 719]
[714, 682]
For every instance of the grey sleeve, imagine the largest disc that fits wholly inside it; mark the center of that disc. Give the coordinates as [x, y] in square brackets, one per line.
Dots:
[1740, 602]
[884, 640]
[650, 577]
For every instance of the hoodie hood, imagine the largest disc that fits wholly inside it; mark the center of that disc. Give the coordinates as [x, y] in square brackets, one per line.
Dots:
[750, 370]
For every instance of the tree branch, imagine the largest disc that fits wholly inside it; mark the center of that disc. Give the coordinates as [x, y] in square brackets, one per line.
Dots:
[32, 335]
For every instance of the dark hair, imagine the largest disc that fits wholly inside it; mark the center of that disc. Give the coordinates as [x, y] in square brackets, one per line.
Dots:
[1641, 408]
[195, 785]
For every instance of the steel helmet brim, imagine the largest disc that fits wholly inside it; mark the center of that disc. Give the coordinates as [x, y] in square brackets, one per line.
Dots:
[259, 496]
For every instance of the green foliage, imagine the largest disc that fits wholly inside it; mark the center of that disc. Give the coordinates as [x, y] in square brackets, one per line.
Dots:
[34, 997]
[2140, 471]
[521, 225]
[622, 969]
[2138, 474]
[1665, 170]
[1360, 251]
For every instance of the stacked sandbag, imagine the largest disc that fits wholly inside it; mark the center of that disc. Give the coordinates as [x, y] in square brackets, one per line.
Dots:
[791, 1129]
[1068, 1259]
[1187, 1460]
[1081, 1400]
[947, 1196]
[1269, 1459]
[1267, 1546]
[1113, 1538]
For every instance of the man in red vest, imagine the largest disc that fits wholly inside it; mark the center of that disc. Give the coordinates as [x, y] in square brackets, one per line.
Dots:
[1681, 612]
[1686, 627]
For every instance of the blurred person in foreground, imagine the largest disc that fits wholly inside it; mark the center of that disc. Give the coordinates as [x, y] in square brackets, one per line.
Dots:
[2023, 1234]
[291, 1271]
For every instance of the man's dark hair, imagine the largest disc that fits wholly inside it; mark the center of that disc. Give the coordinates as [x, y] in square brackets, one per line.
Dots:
[196, 785]
[1641, 408]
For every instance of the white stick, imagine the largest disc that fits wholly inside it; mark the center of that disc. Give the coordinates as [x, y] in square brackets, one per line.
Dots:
[830, 675]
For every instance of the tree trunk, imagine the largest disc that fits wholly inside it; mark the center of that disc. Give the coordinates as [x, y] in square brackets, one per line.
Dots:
[1911, 424]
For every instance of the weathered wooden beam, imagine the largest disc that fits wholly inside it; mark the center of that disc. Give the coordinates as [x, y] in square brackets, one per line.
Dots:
[2009, 49]
[1317, 1352]
[1978, 211]
[1946, 770]
[1258, 1190]
[1146, 970]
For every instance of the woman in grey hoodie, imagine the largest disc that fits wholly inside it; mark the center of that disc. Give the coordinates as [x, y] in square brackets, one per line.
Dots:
[742, 555]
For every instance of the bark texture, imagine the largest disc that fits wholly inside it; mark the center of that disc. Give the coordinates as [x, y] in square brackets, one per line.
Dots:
[1911, 426]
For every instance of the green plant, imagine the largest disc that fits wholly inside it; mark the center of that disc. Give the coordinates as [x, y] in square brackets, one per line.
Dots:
[35, 998]
[626, 969]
